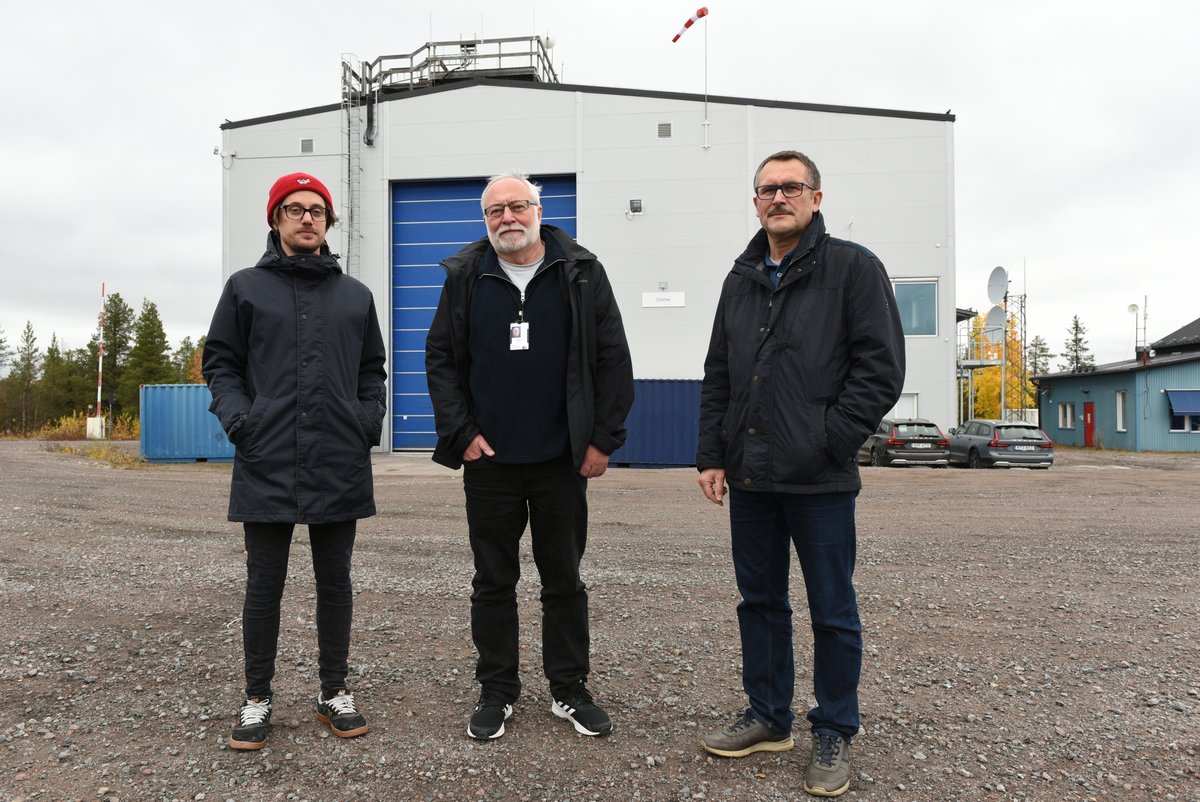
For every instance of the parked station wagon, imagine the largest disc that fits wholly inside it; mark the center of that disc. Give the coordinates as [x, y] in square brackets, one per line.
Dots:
[906, 441]
[1000, 444]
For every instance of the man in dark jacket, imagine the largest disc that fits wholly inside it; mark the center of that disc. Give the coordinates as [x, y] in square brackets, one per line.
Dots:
[530, 377]
[295, 362]
[806, 356]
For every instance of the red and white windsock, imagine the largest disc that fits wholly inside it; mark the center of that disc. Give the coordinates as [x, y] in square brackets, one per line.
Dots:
[703, 12]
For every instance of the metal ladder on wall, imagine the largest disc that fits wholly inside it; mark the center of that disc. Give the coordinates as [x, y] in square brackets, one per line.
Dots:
[353, 96]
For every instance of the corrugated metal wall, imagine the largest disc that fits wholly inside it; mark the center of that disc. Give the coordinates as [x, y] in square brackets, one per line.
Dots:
[663, 424]
[1147, 414]
[177, 426]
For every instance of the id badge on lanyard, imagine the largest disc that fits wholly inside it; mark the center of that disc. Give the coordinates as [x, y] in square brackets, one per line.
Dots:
[518, 336]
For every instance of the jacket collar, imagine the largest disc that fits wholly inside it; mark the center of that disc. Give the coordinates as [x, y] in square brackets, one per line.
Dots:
[481, 256]
[752, 258]
[318, 265]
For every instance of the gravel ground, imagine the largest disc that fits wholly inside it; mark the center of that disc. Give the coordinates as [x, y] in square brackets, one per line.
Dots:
[1030, 635]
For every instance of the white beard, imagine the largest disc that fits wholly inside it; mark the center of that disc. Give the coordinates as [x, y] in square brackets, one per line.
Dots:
[510, 244]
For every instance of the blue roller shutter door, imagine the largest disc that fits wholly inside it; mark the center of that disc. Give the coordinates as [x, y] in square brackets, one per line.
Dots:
[430, 221]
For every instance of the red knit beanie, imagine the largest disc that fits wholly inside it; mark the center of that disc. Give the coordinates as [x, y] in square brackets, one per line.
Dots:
[295, 182]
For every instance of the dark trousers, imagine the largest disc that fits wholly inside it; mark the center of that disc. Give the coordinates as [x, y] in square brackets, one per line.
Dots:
[821, 528]
[267, 547]
[552, 498]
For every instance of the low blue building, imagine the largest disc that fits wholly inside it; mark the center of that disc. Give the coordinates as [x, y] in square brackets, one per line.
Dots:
[1151, 403]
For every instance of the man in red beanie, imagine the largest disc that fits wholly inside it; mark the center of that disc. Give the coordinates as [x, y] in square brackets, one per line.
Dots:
[306, 233]
[295, 362]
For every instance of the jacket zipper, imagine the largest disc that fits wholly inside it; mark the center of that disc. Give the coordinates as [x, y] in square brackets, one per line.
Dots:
[520, 293]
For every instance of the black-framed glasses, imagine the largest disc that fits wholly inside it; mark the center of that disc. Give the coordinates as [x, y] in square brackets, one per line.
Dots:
[496, 210]
[295, 211]
[792, 190]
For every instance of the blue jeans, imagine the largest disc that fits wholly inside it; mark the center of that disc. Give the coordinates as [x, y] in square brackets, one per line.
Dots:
[821, 528]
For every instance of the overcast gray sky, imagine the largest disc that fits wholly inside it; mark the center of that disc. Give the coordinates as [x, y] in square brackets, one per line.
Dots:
[1077, 141]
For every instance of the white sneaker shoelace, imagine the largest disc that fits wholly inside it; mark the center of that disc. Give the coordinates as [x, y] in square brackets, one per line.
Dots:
[342, 703]
[254, 712]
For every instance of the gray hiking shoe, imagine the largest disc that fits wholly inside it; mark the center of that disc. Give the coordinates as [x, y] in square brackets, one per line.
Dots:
[828, 772]
[744, 736]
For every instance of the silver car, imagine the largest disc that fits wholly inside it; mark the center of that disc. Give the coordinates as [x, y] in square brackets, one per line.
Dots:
[1000, 444]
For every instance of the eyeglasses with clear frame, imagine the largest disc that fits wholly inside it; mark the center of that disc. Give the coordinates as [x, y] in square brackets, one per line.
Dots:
[496, 210]
[295, 211]
[790, 190]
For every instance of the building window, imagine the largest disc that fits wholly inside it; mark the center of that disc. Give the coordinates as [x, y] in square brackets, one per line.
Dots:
[917, 304]
[1185, 423]
[1185, 410]
[1066, 415]
[1121, 411]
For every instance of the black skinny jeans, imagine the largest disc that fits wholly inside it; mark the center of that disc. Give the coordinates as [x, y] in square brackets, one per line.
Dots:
[552, 498]
[267, 547]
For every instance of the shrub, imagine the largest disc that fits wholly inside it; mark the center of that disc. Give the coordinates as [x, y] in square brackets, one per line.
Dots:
[127, 426]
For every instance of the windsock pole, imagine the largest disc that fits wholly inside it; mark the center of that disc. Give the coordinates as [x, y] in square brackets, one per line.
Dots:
[701, 13]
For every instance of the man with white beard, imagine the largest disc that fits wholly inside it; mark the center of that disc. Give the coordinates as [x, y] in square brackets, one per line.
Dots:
[530, 377]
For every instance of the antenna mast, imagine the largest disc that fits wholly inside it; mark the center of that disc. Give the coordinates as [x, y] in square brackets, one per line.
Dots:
[100, 355]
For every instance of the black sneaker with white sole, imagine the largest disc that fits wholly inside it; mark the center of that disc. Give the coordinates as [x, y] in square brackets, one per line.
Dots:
[254, 725]
[487, 721]
[578, 708]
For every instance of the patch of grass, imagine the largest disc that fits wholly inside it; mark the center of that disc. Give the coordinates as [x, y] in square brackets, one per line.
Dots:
[74, 427]
[101, 452]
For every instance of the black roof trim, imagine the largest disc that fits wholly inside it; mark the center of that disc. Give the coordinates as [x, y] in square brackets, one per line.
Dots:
[401, 94]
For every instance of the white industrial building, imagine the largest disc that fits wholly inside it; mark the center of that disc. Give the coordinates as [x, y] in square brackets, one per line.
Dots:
[657, 184]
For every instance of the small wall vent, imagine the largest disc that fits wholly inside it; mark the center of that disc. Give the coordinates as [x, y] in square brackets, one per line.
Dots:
[306, 146]
[664, 130]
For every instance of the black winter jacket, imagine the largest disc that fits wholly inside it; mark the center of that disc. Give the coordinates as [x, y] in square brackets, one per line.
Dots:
[295, 362]
[599, 368]
[798, 376]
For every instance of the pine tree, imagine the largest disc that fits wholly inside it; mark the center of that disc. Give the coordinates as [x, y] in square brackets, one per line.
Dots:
[1075, 350]
[182, 360]
[52, 384]
[1038, 356]
[149, 358]
[68, 382]
[25, 375]
[119, 322]
[5, 351]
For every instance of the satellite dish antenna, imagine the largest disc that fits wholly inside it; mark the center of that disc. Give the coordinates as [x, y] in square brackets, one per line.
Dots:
[997, 285]
[994, 323]
[1133, 309]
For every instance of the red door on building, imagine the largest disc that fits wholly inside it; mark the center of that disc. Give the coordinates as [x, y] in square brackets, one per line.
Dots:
[1089, 423]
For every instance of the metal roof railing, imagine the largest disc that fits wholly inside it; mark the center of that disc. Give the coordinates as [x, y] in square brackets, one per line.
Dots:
[520, 57]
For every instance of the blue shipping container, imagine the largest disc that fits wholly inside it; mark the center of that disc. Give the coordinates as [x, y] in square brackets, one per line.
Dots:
[177, 426]
[663, 425]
